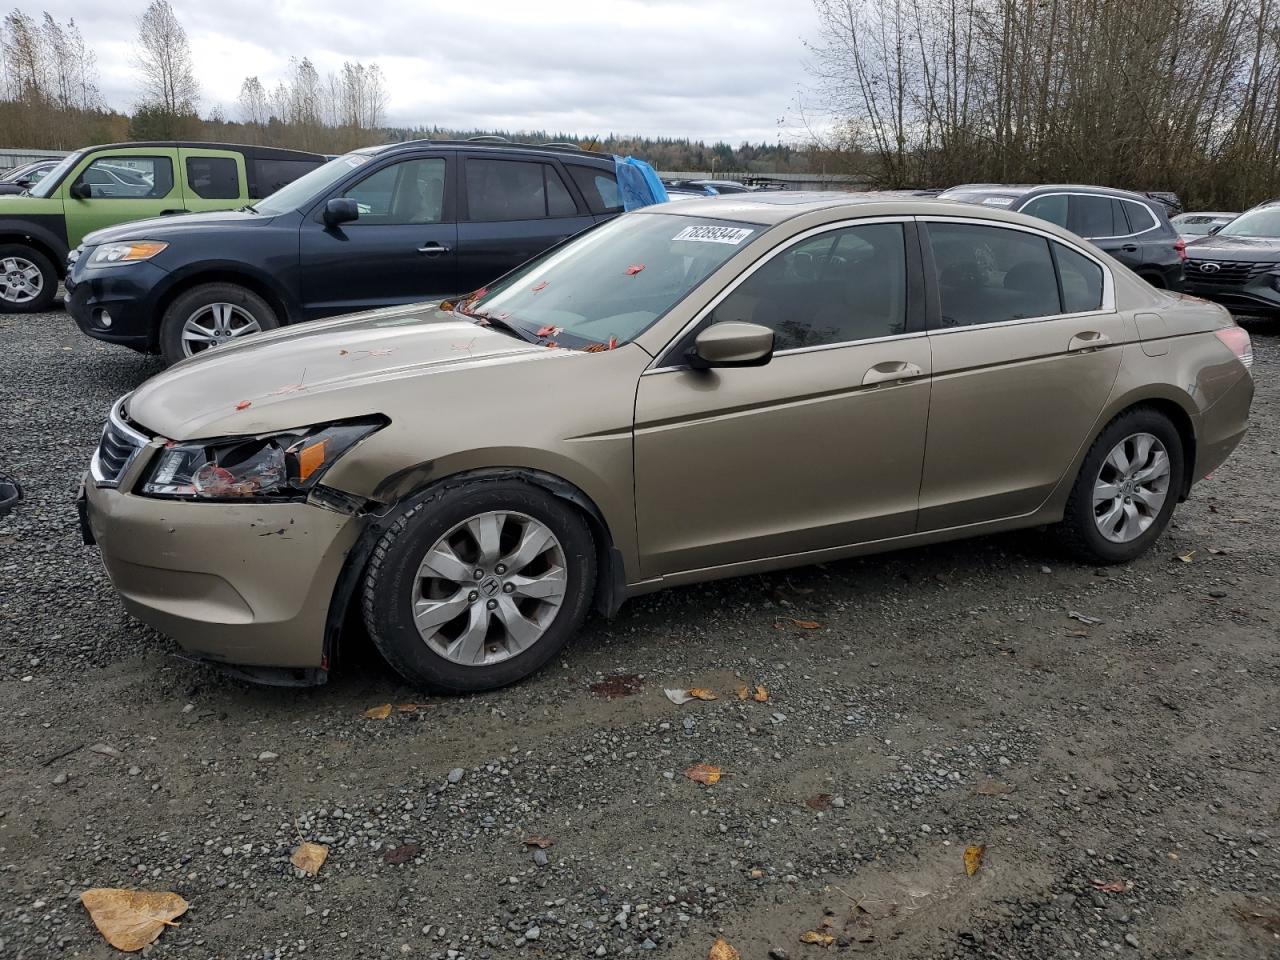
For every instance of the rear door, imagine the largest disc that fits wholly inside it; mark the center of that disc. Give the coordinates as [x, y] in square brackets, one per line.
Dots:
[1026, 347]
[212, 179]
[122, 185]
[512, 210]
[402, 248]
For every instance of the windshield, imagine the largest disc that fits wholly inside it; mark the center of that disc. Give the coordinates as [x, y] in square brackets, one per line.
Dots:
[609, 285]
[292, 196]
[1262, 222]
[51, 179]
[1197, 224]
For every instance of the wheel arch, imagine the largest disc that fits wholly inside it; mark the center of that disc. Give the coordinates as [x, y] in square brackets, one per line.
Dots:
[40, 240]
[258, 284]
[1178, 409]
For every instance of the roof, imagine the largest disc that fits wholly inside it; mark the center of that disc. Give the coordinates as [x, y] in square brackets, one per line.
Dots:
[774, 207]
[550, 149]
[1204, 213]
[1021, 189]
[265, 153]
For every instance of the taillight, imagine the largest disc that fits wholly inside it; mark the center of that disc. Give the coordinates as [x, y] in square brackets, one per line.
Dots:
[1237, 341]
[1181, 247]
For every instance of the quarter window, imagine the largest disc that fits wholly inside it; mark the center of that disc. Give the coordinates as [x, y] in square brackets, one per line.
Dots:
[1081, 280]
[213, 178]
[840, 286]
[516, 190]
[991, 274]
[1140, 218]
[411, 191]
[128, 178]
[600, 187]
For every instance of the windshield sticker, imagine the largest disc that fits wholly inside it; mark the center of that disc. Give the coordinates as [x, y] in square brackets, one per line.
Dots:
[997, 201]
[730, 235]
[354, 160]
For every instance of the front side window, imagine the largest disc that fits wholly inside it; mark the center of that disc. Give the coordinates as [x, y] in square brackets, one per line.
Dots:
[600, 187]
[411, 191]
[837, 287]
[992, 274]
[1093, 216]
[607, 286]
[128, 178]
[1052, 208]
[515, 190]
[213, 178]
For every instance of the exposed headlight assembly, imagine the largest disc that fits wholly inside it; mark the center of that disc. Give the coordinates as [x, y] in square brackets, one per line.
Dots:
[129, 251]
[278, 466]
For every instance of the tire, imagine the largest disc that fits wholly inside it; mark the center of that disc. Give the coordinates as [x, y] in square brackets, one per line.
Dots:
[225, 311]
[445, 656]
[1155, 279]
[16, 279]
[1086, 516]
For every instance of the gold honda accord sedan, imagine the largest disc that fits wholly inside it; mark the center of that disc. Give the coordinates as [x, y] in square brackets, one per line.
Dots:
[695, 390]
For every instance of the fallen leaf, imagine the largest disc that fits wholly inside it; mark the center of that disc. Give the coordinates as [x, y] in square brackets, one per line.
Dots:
[131, 919]
[992, 788]
[343, 352]
[743, 693]
[445, 306]
[703, 773]
[721, 950]
[1266, 918]
[702, 693]
[533, 840]
[806, 624]
[401, 854]
[1217, 551]
[677, 696]
[550, 331]
[1186, 556]
[105, 750]
[540, 285]
[761, 695]
[634, 269]
[821, 939]
[819, 801]
[408, 708]
[973, 858]
[1077, 633]
[244, 404]
[1110, 886]
[1084, 618]
[378, 713]
[309, 857]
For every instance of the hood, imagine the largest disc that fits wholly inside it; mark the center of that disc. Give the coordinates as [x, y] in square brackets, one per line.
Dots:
[318, 372]
[1253, 249]
[155, 228]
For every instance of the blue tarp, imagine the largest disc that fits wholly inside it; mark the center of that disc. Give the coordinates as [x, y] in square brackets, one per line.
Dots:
[638, 184]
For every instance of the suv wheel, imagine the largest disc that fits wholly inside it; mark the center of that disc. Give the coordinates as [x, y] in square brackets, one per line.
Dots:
[1127, 488]
[210, 315]
[479, 586]
[28, 281]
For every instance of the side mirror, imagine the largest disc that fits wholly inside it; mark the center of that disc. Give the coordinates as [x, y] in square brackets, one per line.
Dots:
[731, 344]
[24, 182]
[80, 191]
[1215, 229]
[340, 210]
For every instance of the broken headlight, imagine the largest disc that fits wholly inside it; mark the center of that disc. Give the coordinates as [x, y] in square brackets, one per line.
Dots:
[277, 466]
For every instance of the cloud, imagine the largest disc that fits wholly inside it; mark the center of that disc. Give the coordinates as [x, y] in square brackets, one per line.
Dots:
[710, 70]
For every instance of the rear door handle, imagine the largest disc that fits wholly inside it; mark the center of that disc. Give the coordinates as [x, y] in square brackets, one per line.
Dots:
[889, 372]
[1088, 340]
[1130, 248]
[433, 249]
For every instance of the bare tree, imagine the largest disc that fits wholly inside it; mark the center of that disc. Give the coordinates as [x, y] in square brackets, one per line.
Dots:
[163, 59]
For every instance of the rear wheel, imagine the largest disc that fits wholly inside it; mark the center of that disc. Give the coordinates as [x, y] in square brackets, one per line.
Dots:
[1127, 489]
[479, 586]
[28, 281]
[211, 315]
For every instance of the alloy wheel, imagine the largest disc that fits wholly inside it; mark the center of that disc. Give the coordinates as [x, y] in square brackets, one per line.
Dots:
[1131, 487]
[214, 324]
[20, 280]
[489, 588]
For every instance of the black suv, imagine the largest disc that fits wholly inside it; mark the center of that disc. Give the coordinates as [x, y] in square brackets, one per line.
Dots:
[1239, 264]
[1132, 227]
[377, 227]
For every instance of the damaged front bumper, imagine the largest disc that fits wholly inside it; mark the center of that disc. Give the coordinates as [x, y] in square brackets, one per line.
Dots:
[244, 584]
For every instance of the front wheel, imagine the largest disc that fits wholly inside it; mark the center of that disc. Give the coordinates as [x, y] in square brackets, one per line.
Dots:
[1127, 488]
[28, 281]
[480, 585]
[211, 315]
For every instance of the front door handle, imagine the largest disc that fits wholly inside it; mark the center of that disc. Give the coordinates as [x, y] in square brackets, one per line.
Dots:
[889, 372]
[1088, 340]
[433, 249]
[1130, 248]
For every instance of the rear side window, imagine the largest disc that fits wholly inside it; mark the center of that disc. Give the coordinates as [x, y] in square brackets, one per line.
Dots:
[213, 178]
[992, 274]
[271, 175]
[600, 187]
[1140, 217]
[516, 190]
[1093, 216]
[128, 178]
[1081, 280]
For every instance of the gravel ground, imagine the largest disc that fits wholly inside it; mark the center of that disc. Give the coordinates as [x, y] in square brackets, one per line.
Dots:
[1122, 775]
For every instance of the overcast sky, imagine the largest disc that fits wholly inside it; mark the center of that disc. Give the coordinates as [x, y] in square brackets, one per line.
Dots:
[705, 69]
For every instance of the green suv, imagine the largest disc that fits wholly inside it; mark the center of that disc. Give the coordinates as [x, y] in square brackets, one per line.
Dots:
[102, 186]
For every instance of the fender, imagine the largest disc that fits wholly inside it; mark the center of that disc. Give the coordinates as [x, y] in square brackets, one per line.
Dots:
[210, 271]
[51, 236]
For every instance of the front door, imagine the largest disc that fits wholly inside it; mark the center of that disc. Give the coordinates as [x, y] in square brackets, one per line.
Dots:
[121, 185]
[821, 447]
[1025, 352]
[402, 248]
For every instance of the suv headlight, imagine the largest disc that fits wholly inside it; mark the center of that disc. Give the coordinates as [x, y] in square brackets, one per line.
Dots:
[129, 251]
[277, 466]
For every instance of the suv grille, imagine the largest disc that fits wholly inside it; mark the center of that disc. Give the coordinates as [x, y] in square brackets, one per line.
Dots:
[120, 444]
[1235, 273]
